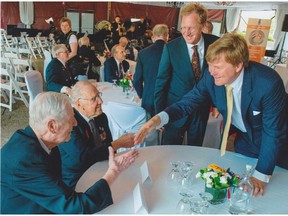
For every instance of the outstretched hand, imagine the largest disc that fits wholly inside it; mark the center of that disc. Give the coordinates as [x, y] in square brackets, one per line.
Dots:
[259, 187]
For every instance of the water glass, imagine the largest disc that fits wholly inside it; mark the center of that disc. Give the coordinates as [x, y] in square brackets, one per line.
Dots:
[184, 206]
[175, 173]
[198, 206]
[114, 85]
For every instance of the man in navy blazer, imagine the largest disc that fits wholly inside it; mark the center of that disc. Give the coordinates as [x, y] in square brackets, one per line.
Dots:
[260, 106]
[147, 68]
[115, 66]
[83, 149]
[58, 76]
[31, 181]
[176, 76]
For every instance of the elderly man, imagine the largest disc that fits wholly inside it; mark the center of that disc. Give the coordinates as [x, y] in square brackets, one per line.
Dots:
[251, 98]
[58, 75]
[116, 66]
[31, 181]
[181, 67]
[91, 137]
[123, 41]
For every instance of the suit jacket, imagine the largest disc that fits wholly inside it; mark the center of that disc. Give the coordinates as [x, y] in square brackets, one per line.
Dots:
[264, 109]
[31, 181]
[57, 76]
[82, 151]
[111, 70]
[176, 77]
[146, 73]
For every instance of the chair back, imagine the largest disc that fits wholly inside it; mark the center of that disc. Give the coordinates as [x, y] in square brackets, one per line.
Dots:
[34, 84]
[48, 58]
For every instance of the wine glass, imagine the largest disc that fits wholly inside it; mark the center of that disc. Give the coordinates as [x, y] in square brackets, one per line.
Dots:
[198, 206]
[206, 197]
[114, 85]
[175, 174]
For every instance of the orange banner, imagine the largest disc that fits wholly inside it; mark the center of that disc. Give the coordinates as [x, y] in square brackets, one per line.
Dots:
[257, 36]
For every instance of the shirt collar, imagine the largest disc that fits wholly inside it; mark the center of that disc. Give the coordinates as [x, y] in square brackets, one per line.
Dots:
[200, 44]
[44, 146]
[85, 117]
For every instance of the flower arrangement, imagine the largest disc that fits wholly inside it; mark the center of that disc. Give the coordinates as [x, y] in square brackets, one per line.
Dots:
[126, 81]
[218, 178]
[106, 54]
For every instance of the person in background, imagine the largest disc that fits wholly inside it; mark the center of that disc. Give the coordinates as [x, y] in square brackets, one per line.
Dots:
[208, 27]
[146, 73]
[58, 74]
[84, 148]
[258, 106]
[69, 38]
[177, 75]
[131, 33]
[88, 58]
[116, 66]
[31, 178]
[123, 41]
[116, 29]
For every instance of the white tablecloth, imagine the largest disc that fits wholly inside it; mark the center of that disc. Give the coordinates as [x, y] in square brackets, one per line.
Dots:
[282, 70]
[162, 199]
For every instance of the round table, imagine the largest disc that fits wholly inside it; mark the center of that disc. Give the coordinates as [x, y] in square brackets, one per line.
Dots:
[162, 198]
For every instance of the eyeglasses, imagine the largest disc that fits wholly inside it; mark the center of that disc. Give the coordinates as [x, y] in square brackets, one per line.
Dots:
[94, 99]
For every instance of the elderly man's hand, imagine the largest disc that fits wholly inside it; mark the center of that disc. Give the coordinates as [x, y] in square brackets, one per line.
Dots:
[258, 186]
[125, 141]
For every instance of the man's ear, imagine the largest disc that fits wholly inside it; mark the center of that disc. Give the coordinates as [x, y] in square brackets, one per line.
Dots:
[52, 126]
[239, 67]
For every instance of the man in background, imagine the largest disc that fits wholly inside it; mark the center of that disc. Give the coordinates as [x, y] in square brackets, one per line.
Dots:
[181, 67]
[208, 27]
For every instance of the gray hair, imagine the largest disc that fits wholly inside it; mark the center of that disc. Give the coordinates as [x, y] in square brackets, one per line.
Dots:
[47, 106]
[113, 50]
[58, 48]
[160, 30]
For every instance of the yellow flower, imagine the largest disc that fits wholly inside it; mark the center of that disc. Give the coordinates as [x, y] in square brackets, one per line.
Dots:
[215, 167]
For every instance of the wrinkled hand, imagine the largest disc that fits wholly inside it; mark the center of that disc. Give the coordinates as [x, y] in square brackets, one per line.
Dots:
[68, 91]
[125, 141]
[145, 129]
[215, 112]
[116, 165]
[258, 186]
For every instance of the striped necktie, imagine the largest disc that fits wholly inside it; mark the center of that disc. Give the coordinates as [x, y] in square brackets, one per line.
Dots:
[229, 97]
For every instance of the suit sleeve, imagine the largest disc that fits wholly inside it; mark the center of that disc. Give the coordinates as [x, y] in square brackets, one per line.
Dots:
[138, 77]
[162, 81]
[34, 181]
[52, 78]
[109, 73]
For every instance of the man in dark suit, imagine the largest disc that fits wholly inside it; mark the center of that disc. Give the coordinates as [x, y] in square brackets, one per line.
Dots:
[259, 112]
[116, 29]
[116, 66]
[31, 165]
[147, 68]
[84, 149]
[176, 76]
[58, 76]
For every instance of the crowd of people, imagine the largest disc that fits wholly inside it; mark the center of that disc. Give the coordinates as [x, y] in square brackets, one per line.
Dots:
[179, 82]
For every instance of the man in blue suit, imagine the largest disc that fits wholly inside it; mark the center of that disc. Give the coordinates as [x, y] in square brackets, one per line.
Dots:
[260, 106]
[177, 76]
[31, 181]
[147, 68]
[58, 75]
[116, 66]
[84, 149]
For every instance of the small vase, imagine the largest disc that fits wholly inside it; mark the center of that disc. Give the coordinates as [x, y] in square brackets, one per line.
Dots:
[219, 195]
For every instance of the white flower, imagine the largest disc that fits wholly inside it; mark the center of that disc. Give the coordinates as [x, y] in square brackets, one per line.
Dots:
[198, 175]
[223, 180]
[214, 174]
[209, 185]
[209, 180]
[228, 175]
[206, 175]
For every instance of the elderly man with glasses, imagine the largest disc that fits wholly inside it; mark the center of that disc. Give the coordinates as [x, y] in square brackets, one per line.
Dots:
[58, 75]
[91, 137]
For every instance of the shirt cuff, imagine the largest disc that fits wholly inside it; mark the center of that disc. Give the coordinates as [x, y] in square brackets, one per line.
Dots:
[261, 176]
[63, 89]
[164, 118]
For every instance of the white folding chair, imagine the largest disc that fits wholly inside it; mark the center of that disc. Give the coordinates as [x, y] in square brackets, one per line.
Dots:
[9, 84]
[34, 84]
[124, 118]
[48, 58]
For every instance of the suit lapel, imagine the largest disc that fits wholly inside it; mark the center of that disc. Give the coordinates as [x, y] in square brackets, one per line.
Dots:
[185, 55]
[246, 97]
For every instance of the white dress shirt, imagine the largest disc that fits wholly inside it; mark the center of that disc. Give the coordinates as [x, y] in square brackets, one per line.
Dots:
[200, 51]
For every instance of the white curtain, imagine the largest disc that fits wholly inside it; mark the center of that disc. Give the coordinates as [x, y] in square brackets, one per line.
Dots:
[278, 34]
[232, 18]
[26, 13]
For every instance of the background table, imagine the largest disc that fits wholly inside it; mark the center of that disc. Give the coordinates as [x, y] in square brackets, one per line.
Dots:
[162, 199]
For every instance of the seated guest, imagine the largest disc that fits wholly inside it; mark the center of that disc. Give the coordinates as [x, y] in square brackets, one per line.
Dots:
[87, 56]
[123, 41]
[31, 178]
[58, 76]
[116, 66]
[85, 148]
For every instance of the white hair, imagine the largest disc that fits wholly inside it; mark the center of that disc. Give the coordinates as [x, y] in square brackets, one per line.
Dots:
[47, 106]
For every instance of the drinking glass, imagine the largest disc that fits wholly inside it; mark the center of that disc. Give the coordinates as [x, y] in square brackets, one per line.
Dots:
[114, 85]
[198, 206]
[185, 182]
[175, 173]
[206, 197]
